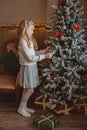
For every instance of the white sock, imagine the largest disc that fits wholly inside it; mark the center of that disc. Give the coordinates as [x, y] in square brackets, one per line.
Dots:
[30, 110]
[22, 110]
[22, 104]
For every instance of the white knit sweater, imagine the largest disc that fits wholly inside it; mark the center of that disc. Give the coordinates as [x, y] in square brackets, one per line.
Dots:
[27, 55]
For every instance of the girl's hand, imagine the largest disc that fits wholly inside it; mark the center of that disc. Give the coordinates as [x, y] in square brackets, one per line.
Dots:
[49, 55]
[48, 49]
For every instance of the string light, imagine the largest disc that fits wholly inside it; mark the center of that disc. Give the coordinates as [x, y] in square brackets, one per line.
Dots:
[7, 27]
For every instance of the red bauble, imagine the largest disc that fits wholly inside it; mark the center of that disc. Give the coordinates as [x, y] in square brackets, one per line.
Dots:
[53, 76]
[77, 27]
[61, 3]
[58, 35]
[85, 76]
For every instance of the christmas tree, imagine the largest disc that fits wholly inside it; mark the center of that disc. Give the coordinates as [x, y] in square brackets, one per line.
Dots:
[64, 78]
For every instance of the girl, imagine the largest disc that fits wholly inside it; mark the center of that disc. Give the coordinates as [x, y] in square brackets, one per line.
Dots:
[28, 74]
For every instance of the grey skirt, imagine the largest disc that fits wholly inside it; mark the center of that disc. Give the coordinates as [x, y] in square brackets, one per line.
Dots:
[28, 76]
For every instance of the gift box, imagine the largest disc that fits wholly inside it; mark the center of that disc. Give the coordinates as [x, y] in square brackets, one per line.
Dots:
[63, 109]
[79, 110]
[46, 121]
[59, 110]
[42, 103]
[38, 102]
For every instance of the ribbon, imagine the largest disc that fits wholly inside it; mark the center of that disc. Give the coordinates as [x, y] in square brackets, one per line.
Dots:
[44, 119]
[65, 111]
[44, 104]
[83, 104]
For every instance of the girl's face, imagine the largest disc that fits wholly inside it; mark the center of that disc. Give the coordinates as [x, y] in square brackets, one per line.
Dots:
[30, 29]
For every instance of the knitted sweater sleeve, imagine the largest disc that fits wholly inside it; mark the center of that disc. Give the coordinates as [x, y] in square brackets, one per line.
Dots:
[29, 53]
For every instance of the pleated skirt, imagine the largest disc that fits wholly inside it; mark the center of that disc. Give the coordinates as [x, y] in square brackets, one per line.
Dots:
[28, 76]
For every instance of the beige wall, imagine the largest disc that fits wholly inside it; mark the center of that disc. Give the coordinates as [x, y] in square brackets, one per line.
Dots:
[12, 11]
[84, 4]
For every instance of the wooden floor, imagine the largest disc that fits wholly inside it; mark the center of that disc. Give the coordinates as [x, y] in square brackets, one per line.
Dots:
[11, 120]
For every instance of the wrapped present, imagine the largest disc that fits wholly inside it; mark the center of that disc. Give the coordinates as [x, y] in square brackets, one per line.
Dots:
[60, 110]
[45, 104]
[63, 109]
[38, 98]
[46, 121]
[81, 108]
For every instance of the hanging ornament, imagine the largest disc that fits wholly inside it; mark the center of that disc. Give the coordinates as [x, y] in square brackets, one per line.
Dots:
[53, 76]
[84, 77]
[61, 3]
[57, 42]
[58, 35]
[76, 27]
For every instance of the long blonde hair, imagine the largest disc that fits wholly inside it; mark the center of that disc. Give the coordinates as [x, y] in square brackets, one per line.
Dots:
[22, 33]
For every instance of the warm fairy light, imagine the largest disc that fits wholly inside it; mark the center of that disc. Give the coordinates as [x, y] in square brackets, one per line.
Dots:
[7, 27]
